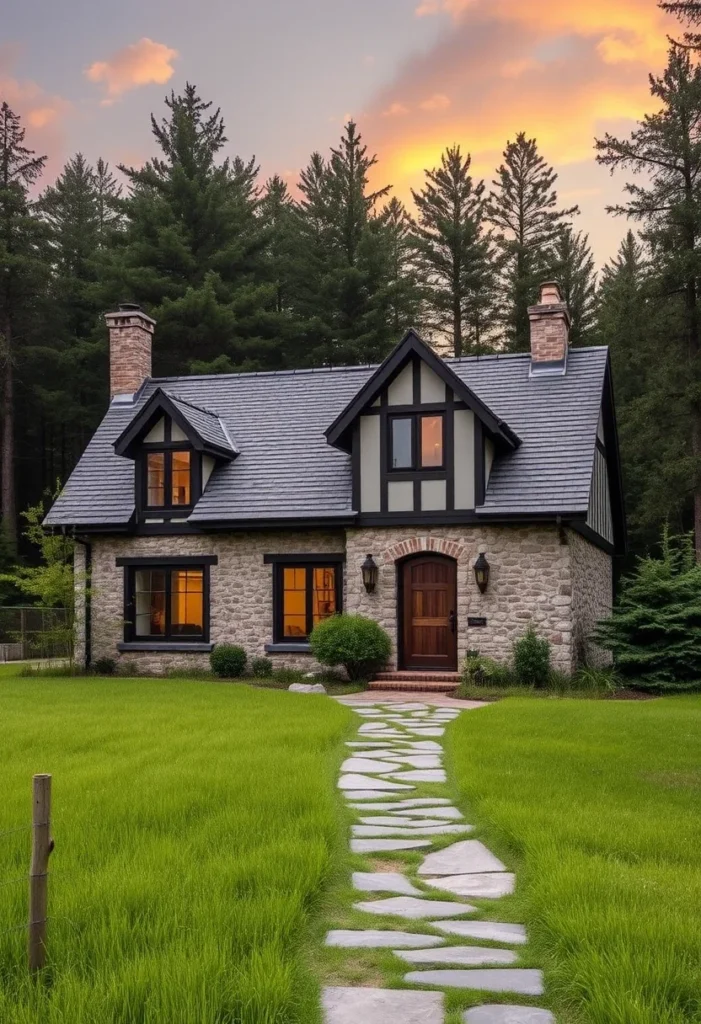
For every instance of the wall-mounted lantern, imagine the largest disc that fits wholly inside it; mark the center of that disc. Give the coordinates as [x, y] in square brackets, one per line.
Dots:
[369, 571]
[481, 568]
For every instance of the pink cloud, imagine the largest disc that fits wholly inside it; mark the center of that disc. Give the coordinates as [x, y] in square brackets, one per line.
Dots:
[439, 101]
[142, 63]
[43, 113]
[395, 110]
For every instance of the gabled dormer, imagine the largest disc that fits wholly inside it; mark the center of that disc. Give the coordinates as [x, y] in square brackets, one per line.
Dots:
[421, 440]
[175, 446]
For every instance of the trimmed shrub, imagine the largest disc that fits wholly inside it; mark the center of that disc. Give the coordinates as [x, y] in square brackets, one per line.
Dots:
[262, 668]
[359, 644]
[482, 671]
[228, 661]
[105, 666]
[532, 659]
[655, 631]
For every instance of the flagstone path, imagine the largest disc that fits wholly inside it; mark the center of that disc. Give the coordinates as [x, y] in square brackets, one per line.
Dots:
[386, 761]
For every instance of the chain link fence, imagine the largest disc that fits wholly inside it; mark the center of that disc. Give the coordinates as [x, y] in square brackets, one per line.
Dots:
[29, 632]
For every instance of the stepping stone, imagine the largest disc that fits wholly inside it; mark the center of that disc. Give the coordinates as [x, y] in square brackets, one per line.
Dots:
[489, 885]
[405, 804]
[386, 845]
[384, 881]
[365, 764]
[370, 727]
[411, 707]
[370, 939]
[432, 830]
[469, 856]
[381, 1006]
[384, 753]
[369, 712]
[525, 981]
[363, 794]
[422, 775]
[466, 956]
[426, 732]
[368, 782]
[425, 745]
[433, 812]
[416, 760]
[493, 931]
[414, 909]
[503, 1014]
[398, 820]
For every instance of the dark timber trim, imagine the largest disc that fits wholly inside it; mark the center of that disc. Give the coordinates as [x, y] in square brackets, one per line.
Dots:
[158, 405]
[303, 558]
[167, 646]
[412, 346]
[592, 536]
[355, 468]
[449, 449]
[308, 562]
[172, 641]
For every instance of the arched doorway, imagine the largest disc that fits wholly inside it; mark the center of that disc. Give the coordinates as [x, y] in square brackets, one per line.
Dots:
[427, 613]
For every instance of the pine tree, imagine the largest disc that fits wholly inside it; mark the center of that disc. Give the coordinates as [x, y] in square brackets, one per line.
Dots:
[107, 193]
[522, 207]
[689, 12]
[20, 260]
[666, 147]
[455, 252]
[194, 245]
[406, 294]
[573, 268]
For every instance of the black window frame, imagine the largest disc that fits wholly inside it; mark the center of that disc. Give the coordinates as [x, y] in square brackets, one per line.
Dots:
[167, 447]
[308, 563]
[167, 566]
[416, 464]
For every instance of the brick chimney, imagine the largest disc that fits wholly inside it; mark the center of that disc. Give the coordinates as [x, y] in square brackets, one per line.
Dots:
[550, 328]
[131, 332]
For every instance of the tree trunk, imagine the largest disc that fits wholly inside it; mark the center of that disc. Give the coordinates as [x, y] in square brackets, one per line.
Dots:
[7, 455]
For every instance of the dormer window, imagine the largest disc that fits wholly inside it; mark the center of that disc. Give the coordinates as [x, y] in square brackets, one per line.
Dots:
[416, 442]
[169, 479]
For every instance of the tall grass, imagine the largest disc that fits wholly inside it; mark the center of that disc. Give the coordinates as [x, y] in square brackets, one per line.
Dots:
[597, 804]
[193, 827]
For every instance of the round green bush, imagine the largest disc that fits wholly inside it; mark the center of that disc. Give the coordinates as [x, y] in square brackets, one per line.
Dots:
[262, 668]
[228, 661]
[357, 643]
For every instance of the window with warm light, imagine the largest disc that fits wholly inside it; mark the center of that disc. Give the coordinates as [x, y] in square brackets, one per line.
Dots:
[305, 596]
[168, 479]
[416, 442]
[166, 603]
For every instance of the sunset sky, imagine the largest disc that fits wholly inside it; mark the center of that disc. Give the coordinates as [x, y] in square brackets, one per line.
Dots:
[417, 75]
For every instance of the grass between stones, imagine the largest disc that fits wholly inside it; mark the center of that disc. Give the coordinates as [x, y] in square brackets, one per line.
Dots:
[195, 828]
[596, 807]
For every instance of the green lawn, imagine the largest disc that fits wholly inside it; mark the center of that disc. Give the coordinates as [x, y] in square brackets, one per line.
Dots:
[598, 807]
[195, 825]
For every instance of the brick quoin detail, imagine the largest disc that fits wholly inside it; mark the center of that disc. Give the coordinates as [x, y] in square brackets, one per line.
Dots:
[422, 545]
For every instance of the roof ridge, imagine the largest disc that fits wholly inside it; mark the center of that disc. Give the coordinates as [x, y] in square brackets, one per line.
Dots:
[300, 371]
[191, 405]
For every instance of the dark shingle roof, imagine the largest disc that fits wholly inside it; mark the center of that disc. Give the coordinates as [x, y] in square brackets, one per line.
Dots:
[204, 422]
[286, 468]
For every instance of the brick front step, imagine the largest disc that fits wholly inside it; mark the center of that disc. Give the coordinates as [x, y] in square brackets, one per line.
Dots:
[419, 682]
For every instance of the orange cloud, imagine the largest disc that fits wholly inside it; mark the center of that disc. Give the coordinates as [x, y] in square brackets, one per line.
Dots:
[439, 101]
[395, 110]
[142, 63]
[42, 113]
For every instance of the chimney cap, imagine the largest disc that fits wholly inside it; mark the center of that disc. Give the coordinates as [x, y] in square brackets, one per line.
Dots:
[130, 307]
[550, 293]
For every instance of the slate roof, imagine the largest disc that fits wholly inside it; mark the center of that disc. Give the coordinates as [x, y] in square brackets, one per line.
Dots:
[287, 470]
[205, 422]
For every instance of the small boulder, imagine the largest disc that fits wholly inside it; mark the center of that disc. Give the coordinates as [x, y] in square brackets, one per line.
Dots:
[307, 688]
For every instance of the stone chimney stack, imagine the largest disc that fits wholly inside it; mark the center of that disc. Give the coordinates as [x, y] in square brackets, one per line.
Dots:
[550, 328]
[131, 333]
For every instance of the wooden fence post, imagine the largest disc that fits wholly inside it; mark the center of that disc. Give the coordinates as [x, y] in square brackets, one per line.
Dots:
[42, 845]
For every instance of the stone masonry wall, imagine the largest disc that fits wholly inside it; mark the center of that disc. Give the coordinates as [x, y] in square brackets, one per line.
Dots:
[530, 580]
[592, 597]
[241, 591]
[79, 590]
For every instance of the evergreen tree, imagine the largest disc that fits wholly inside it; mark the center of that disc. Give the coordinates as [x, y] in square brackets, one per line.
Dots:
[406, 295]
[455, 252]
[689, 12]
[523, 210]
[22, 271]
[666, 147]
[107, 194]
[194, 245]
[573, 269]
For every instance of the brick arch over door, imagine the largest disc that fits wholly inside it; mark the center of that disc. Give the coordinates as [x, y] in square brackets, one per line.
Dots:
[420, 545]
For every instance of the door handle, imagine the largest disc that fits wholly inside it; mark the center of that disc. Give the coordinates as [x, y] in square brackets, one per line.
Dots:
[452, 621]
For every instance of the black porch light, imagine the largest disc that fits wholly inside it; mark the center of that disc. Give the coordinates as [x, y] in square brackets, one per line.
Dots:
[481, 568]
[369, 571]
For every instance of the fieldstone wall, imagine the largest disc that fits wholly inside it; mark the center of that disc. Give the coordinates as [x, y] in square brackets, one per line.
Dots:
[592, 598]
[530, 580]
[79, 564]
[241, 591]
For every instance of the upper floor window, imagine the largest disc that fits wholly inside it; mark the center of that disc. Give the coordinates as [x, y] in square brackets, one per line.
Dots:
[168, 479]
[416, 441]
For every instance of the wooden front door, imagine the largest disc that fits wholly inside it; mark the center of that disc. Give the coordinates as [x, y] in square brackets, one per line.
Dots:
[428, 597]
